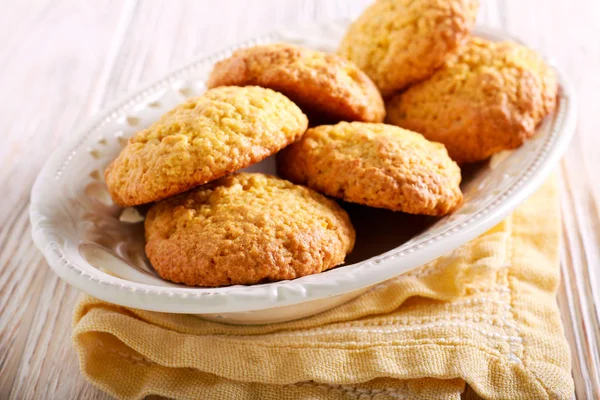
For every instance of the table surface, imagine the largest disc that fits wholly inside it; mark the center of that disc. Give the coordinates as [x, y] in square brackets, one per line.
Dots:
[63, 61]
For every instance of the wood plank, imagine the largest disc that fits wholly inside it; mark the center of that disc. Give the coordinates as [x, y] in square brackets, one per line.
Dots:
[44, 68]
[580, 292]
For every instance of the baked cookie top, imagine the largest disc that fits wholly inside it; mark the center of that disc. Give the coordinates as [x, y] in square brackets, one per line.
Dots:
[205, 138]
[246, 228]
[324, 84]
[489, 97]
[399, 42]
[376, 165]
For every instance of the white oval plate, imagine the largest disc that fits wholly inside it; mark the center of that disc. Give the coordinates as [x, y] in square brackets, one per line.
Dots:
[88, 243]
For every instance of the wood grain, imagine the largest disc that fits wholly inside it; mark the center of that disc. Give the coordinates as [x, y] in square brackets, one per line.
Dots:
[48, 89]
[62, 61]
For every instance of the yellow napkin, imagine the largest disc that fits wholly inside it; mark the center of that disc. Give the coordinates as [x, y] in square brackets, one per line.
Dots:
[486, 314]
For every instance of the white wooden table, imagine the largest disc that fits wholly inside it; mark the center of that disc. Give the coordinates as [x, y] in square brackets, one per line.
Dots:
[62, 61]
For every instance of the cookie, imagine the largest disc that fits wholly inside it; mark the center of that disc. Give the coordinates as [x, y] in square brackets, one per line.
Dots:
[323, 85]
[399, 42]
[490, 97]
[201, 140]
[377, 165]
[246, 228]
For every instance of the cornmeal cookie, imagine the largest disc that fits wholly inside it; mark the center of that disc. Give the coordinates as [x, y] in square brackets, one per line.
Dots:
[399, 42]
[320, 83]
[203, 139]
[488, 98]
[376, 165]
[246, 228]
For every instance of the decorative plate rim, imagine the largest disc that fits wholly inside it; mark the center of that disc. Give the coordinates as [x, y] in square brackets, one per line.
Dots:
[313, 287]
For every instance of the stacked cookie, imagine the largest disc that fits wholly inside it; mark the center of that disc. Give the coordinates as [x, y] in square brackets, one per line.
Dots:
[475, 96]
[210, 225]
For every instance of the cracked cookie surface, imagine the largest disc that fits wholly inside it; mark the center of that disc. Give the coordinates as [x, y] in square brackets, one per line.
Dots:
[399, 42]
[246, 228]
[487, 98]
[203, 139]
[320, 83]
[377, 165]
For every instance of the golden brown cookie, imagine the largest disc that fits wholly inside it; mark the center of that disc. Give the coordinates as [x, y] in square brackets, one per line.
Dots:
[244, 229]
[489, 97]
[399, 42]
[322, 84]
[377, 165]
[203, 139]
